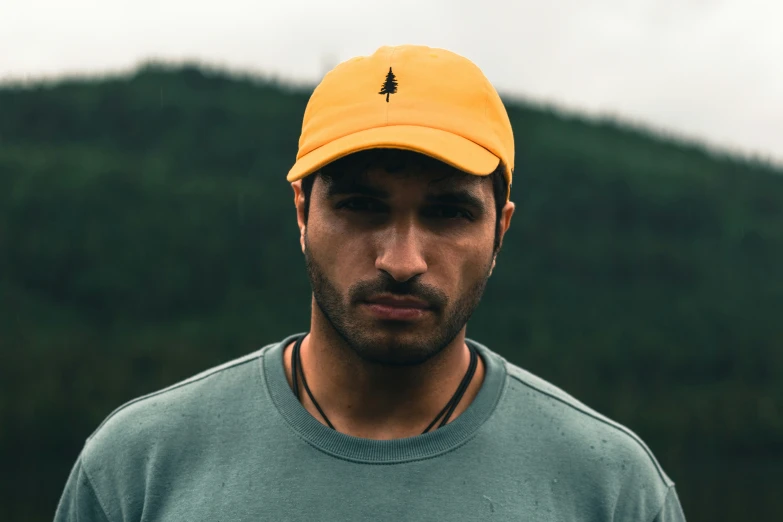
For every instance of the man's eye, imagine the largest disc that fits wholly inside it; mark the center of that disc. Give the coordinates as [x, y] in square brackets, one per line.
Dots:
[449, 212]
[360, 205]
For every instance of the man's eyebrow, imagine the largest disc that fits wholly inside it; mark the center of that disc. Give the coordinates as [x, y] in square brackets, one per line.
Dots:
[341, 188]
[457, 197]
[448, 197]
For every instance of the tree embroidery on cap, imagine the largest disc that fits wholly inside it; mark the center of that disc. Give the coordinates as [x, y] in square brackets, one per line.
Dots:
[390, 85]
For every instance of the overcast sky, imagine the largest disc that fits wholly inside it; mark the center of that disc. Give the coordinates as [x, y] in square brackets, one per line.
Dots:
[705, 69]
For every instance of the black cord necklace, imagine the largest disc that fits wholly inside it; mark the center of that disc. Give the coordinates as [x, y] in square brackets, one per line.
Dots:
[448, 410]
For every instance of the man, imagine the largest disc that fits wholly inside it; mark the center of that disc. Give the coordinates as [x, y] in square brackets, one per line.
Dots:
[383, 410]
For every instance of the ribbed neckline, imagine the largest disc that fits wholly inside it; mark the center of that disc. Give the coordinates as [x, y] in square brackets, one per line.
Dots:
[383, 451]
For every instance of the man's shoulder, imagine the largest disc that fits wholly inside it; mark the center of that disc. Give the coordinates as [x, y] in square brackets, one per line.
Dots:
[180, 411]
[578, 424]
[584, 445]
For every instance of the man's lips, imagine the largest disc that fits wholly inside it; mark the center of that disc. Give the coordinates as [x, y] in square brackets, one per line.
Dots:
[399, 302]
[397, 308]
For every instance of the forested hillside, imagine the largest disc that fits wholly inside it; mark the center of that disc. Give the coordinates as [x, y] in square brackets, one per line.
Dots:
[147, 232]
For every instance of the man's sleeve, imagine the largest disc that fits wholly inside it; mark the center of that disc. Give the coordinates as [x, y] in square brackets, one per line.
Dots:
[79, 502]
[671, 511]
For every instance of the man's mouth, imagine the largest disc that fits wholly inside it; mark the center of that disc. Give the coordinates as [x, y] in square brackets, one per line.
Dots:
[397, 308]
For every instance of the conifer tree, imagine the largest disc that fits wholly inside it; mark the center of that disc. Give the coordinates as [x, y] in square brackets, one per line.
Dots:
[390, 85]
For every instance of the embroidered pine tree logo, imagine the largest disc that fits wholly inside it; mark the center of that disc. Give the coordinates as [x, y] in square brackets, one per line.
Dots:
[390, 85]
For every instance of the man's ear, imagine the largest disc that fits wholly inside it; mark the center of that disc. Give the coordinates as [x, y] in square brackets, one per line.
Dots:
[505, 223]
[494, 261]
[505, 220]
[299, 203]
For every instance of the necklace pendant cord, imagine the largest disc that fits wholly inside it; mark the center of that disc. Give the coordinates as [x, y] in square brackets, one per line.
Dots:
[296, 355]
[457, 397]
[297, 370]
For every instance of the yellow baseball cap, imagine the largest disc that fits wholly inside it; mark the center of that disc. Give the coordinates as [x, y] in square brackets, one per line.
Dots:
[410, 97]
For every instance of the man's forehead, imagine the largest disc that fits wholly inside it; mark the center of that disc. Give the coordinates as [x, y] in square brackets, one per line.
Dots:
[430, 180]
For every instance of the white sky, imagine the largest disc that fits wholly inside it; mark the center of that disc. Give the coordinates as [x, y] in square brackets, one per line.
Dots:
[705, 69]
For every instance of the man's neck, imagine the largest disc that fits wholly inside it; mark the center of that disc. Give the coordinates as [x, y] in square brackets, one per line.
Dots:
[375, 401]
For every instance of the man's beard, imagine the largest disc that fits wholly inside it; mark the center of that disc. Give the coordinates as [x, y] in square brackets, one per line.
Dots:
[376, 346]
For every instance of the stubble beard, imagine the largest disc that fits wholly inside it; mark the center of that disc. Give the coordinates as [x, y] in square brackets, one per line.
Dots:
[382, 346]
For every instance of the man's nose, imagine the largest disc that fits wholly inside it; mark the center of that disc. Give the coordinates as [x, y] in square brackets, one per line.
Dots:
[401, 252]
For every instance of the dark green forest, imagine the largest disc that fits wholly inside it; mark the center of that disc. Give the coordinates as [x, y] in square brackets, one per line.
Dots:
[147, 232]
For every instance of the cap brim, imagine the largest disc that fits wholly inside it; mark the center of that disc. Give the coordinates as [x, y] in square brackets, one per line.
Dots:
[444, 146]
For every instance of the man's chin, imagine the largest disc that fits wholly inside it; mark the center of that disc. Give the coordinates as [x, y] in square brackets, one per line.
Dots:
[396, 346]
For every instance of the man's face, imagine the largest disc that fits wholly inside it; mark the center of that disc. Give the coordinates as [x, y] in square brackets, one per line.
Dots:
[399, 261]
